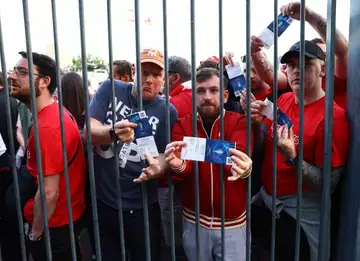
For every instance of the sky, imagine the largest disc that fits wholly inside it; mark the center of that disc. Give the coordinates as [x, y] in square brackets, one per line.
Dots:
[151, 35]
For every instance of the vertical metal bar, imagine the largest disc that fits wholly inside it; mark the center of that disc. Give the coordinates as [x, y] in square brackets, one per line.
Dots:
[194, 126]
[301, 130]
[36, 129]
[222, 185]
[248, 130]
[12, 149]
[88, 132]
[168, 131]
[62, 131]
[275, 140]
[114, 118]
[329, 99]
[140, 107]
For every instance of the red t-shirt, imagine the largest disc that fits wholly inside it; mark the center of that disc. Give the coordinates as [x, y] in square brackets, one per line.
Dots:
[340, 89]
[313, 142]
[52, 163]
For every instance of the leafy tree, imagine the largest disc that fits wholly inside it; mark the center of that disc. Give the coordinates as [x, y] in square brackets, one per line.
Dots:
[93, 63]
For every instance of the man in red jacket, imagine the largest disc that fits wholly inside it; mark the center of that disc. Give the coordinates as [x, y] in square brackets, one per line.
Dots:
[208, 126]
[180, 85]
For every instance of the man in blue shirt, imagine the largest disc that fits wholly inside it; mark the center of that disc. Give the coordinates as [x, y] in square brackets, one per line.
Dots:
[132, 172]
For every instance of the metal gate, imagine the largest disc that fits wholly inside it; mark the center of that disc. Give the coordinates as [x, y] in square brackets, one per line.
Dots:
[347, 247]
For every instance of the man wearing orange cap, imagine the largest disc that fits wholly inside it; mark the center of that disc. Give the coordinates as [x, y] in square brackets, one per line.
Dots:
[132, 172]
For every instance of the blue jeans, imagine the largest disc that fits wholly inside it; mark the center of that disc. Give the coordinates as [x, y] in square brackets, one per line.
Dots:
[133, 233]
[210, 243]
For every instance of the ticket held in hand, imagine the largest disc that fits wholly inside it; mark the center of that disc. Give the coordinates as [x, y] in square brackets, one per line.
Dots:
[213, 151]
[282, 118]
[268, 34]
[237, 78]
[143, 134]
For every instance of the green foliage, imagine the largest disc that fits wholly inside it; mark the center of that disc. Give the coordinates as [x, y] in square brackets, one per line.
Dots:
[93, 63]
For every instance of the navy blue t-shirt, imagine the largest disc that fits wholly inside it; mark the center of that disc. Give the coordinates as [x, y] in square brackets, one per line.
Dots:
[104, 163]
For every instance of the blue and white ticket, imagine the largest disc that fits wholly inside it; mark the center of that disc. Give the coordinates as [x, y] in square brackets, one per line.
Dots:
[143, 134]
[236, 77]
[268, 34]
[282, 118]
[213, 151]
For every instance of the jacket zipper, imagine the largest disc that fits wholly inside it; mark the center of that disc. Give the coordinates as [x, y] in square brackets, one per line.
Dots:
[211, 170]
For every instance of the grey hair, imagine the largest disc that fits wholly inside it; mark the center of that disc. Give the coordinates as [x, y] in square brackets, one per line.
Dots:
[181, 66]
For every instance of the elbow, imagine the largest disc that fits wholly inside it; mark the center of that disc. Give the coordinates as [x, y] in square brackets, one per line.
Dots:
[51, 195]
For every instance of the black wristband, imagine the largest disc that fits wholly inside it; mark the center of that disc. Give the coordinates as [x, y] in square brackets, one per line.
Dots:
[111, 133]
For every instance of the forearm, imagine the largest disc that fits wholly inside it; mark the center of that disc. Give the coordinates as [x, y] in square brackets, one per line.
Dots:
[313, 176]
[263, 67]
[266, 72]
[319, 24]
[38, 222]
[100, 134]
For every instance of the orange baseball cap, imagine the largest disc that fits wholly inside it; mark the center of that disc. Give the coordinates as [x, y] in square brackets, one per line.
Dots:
[152, 56]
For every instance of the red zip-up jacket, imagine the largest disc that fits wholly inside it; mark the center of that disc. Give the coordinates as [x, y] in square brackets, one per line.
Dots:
[181, 98]
[209, 175]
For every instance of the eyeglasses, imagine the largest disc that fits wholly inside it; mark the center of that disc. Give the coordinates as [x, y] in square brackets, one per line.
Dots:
[22, 72]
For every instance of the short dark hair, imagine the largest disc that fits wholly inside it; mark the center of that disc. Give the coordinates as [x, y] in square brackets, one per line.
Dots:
[318, 41]
[123, 68]
[181, 66]
[1, 79]
[206, 73]
[207, 64]
[46, 67]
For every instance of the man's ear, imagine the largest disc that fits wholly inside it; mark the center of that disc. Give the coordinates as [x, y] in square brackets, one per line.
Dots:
[45, 81]
[323, 68]
[226, 96]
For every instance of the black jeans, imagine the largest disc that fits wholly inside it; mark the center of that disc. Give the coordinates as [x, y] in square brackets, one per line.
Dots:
[60, 244]
[285, 234]
[133, 232]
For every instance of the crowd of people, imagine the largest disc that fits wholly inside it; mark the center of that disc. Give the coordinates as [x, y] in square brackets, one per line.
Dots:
[139, 170]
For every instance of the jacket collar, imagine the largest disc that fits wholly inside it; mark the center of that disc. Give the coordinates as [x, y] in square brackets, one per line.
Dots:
[180, 88]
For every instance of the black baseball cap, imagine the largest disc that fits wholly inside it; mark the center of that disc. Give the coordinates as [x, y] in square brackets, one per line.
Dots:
[312, 50]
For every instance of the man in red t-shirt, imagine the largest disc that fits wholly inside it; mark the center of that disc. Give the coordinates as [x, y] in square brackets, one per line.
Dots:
[265, 69]
[52, 162]
[287, 156]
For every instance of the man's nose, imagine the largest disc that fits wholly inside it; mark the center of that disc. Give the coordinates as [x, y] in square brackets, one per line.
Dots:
[148, 77]
[207, 95]
[11, 76]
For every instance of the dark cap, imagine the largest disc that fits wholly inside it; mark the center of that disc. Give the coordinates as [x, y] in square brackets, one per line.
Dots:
[312, 50]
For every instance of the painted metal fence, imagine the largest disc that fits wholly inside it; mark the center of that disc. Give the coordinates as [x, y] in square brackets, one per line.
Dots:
[325, 209]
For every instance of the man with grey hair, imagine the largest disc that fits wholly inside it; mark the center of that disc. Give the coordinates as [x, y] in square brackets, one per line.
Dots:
[180, 84]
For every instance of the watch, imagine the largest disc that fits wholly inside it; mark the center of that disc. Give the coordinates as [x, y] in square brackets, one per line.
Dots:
[291, 162]
[33, 238]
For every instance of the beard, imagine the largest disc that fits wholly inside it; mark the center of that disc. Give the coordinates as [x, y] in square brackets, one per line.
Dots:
[23, 93]
[208, 111]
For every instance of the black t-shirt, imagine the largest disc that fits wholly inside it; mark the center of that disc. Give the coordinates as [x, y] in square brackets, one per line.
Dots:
[4, 159]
